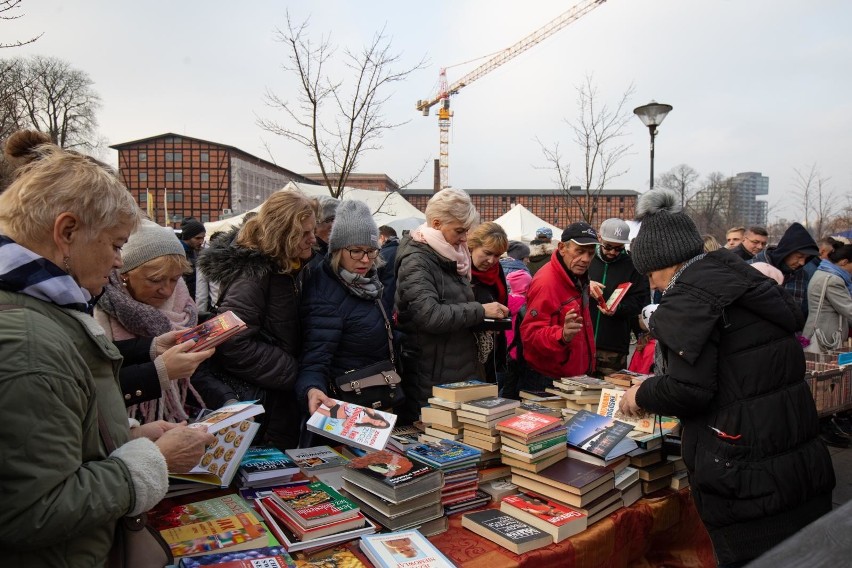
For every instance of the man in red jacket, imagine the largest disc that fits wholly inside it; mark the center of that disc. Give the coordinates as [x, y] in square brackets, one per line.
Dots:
[556, 332]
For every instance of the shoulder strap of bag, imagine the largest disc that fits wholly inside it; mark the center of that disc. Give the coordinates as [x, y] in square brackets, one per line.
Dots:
[388, 330]
[821, 297]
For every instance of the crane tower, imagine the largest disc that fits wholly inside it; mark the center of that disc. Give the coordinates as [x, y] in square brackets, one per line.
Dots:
[445, 91]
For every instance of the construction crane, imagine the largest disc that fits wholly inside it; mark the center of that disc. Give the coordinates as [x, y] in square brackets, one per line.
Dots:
[445, 90]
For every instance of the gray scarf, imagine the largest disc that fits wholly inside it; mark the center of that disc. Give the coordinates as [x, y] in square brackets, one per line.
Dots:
[368, 287]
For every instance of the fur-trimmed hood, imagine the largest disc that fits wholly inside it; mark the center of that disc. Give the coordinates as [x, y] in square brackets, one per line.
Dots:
[542, 249]
[224, 260]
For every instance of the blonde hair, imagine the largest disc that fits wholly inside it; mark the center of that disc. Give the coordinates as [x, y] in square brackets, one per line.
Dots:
[710, 243]
[334, 260]
[276, 231]
[166, 265]
[450, 205]
[491, 235]
[58, 181]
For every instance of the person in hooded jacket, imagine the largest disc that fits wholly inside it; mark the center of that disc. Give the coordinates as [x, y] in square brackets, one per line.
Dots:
[341, 311]
[730, 367]
[791, 256]
[436, 308]
[260, 270]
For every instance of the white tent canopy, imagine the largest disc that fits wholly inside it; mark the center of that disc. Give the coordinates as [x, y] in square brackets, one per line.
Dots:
[388, 208]
[521, 224]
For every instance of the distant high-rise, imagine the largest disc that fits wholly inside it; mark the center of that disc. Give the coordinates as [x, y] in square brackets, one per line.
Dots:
[745, 187]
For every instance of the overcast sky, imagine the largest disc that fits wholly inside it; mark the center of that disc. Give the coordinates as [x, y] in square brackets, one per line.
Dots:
[756, 85]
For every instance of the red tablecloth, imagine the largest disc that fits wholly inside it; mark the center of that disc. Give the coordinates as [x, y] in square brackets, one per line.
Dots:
[661, 531]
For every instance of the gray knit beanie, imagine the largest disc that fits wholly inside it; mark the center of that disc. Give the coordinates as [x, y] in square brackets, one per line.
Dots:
[150, 241]
[518, 250]
[328, 208]
[667, 235]
[353, 226]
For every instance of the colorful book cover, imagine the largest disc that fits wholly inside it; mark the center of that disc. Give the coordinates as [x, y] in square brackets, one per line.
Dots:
[542, 508]
[212, 332]
[222, 458]
[490, 405]
[463, 391]
[261, 459]
[586, 382]
[316, 458]
[403, 548]
[351, 424]
[444, 453]
[404, 437]
[336, 557]
[510, 532]
[528, 424]
[615, 298]
[314, 504]
[596, 434]
[241, 530]
[389, 468]
[166, 515]
[608, 406]
[265, 557]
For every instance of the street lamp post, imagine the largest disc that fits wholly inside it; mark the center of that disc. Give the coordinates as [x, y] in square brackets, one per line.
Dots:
[652, 115]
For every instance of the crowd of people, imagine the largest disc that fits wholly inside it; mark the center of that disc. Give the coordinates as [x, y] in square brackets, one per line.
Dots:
[93, 298]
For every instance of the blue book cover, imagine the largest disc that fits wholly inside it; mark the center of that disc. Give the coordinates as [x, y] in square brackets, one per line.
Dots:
[263, 458]
[443, 453]
[266, 554]
[596, 434]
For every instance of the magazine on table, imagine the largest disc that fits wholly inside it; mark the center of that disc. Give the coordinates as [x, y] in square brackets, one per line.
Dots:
[354, 425]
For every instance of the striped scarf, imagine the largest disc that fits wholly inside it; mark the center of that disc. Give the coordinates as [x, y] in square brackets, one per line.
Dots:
[25, 272]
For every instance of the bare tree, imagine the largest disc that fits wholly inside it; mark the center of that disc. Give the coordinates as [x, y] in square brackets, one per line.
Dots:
[817, 200]
[336, 119]
[680, 179]
[597, 130]
[48, 95]
[9, 11]
[711, 206]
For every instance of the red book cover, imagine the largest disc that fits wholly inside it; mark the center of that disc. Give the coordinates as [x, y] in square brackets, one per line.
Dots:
[548, 511]
[615, 298]
[213, 331]
[528, 424]
[314, 504]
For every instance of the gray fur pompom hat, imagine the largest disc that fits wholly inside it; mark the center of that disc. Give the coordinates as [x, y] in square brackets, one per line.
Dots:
[353, 226]
[667, 235]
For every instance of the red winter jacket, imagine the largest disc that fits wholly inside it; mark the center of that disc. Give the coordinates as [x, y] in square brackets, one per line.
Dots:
[552, 294]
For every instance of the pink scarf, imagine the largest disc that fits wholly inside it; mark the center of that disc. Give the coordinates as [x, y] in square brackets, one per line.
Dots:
[436, 241]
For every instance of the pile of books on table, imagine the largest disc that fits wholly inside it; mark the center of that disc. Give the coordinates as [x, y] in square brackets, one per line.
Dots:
[579, 393]
[395, 491]
[480, 417]
[321, 462]
[311, 516]
[532, 441]
[441, 417]
[265, 466]
[458, 462]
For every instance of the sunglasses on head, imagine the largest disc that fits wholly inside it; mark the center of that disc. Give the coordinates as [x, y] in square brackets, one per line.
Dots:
[612, 248]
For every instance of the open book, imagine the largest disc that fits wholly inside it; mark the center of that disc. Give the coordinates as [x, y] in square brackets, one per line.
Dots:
[213, 331]
[234, 433]
[615, 298]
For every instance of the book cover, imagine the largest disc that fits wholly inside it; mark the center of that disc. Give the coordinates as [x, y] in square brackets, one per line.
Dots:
[444, 453]
[388, 468]
[266, 460]
[596, 434]
[528, 424]
[167, 515]
[267, 556]
[584, 382]
[463, 391]
[293, 543]
[490, 405]
[440, 402]
[233, 435]
[404, 437]
[572, 475]
[283, 518]
[615, 298]
[314, 504]
[212, 332]
[505, 530]
[236, 532]
[608, 406]
[556, 519]
[402, 548]
[364, 428]
[316, 458]
[335, 557]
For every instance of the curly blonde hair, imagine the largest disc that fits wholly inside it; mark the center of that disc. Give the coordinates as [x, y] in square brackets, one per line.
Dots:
[276, 231]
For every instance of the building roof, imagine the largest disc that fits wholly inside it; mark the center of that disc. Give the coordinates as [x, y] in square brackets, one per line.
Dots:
[293, 175]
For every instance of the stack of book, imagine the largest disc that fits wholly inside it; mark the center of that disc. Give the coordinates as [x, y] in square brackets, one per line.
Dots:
[532, 441]
[320, 462]
[680, 477]
[505, 530]
[558, 520]
[579, 393]
[543, 398]
[599, 440]
[223, 524]
[529, 406]
[404, 437]
[628, 483]
[310, 516]
[394, 491]
[402, 548]
[441, 416]
[587, 488]
[625, 378]
[480, 418]
[263, 466]
[648, 431]
[655, 471]
[459, 463]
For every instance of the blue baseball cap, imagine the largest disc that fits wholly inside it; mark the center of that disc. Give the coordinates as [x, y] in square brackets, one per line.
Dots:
[544, 232]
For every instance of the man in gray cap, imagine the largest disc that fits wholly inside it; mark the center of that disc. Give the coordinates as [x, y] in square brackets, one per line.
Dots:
[612, 266]
[325, 221]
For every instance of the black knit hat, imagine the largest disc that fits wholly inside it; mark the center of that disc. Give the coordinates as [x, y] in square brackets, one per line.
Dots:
[667, 235]
[190, 228]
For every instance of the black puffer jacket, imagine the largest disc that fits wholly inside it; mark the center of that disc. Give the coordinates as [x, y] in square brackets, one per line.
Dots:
[612, 333]
[342, 332]
[436, 310]
[732, 363]
[264, 356]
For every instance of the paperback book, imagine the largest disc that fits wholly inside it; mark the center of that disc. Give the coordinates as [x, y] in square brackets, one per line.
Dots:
[611, 303]
[529, 424]
[464, 391]
[444, 454]
[392, 476]
[599, 435]
[334, 557]
[608, 406]
[265, 462]
[317, 458]
[556, 519]
[364, 428]
[490, 406]
[402, 549]
[212, 332]
[505, 530]
[265, 557]
[313, 504]
[404, 437]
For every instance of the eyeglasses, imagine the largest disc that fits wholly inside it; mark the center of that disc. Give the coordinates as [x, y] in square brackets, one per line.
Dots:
[358, 254]
[612, 248]
[757, 243]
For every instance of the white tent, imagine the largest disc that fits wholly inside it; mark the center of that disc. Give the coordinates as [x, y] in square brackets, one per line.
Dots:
[521, 224]
[388, 208]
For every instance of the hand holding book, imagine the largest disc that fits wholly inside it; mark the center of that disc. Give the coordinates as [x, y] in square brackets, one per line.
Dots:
[628, 403]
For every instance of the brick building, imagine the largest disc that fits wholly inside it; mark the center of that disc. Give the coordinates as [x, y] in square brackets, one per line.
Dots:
[380, 182]
[551, 205]
[184, 176]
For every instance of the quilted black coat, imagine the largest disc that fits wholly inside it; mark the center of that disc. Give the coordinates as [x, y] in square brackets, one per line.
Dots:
[734, 375]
